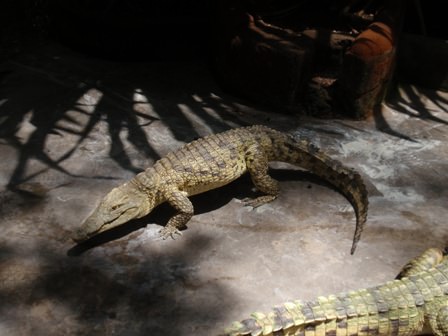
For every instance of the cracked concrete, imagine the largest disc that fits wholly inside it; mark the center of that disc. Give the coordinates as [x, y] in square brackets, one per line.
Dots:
[73, 127]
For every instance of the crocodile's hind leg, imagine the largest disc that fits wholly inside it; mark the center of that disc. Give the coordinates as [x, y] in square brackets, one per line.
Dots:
[257, 165]
[430, 258]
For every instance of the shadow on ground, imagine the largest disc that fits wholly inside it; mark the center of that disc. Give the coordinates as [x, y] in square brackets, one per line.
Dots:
[74, 296]
[44, 91]
[413, 102]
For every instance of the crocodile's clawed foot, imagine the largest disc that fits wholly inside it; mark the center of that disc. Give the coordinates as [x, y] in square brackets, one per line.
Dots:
[250, 202]
[259, 201]
[169, 232]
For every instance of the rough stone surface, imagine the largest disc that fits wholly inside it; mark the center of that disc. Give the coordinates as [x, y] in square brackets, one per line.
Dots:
[72, 128]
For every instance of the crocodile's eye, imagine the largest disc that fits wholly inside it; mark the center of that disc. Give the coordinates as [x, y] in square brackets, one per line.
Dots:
[115, 207]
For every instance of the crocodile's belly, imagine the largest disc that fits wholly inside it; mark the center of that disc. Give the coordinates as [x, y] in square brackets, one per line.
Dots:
[210, 180]
[200, 188]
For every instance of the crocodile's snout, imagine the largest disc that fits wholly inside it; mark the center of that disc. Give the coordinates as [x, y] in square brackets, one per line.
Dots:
[87, 230]
[80, 235]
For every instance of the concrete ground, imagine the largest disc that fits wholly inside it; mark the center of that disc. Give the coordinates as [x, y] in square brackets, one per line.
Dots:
[73, 127]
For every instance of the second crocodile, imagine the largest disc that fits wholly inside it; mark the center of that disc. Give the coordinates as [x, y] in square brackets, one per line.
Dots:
[416, 303]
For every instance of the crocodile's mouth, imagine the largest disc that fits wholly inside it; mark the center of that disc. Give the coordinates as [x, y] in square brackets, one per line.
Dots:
[82, 234]
[93, 225]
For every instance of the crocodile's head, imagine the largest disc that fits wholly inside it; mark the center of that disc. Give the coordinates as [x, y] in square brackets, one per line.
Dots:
[119, 206]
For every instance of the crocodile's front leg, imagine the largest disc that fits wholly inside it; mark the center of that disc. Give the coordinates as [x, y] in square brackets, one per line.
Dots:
[179, 201]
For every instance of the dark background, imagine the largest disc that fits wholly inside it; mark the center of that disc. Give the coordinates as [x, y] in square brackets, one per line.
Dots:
[147, 30]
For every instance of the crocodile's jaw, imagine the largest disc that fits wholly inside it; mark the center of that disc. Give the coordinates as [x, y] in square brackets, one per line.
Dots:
[96, 224]
[121, 205]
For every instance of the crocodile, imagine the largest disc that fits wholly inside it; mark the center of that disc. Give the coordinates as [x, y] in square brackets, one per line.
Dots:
[216, 160]
[415, 303]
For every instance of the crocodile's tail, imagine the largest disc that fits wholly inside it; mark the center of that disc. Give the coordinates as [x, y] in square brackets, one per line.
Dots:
[304, 154]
